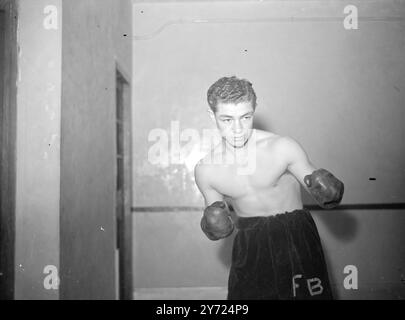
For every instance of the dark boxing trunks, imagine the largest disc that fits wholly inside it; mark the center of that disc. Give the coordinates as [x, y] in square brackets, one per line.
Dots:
[278, 257]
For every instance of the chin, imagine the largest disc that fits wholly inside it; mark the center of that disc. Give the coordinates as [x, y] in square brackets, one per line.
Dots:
[237, 144]
[241, 145]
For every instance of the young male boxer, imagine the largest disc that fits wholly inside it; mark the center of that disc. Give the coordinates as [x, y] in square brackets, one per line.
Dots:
[277, 252]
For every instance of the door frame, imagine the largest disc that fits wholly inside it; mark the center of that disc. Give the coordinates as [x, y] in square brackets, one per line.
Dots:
[8, 124]
[124, 222]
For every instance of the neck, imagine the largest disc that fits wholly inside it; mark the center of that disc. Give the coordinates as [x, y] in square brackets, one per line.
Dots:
[239, 151]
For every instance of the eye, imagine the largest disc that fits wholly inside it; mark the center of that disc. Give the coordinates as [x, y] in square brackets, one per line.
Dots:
[226, 120]
[247, 117]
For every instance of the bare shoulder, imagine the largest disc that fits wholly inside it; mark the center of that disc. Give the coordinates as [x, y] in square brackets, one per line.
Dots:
[203, 172]
[268, 140]
[288, 144]
[290, 150]
[201, 168]
[281, 145]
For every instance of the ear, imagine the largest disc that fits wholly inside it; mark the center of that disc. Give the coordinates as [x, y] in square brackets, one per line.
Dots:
[211, 114]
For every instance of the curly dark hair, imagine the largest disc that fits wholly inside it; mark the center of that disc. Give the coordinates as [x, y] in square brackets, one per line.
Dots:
[230, 90]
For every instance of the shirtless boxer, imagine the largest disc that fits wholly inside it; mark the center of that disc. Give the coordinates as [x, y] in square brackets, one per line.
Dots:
[277, 253]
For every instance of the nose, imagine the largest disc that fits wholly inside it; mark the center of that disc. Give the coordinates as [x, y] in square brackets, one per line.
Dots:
[237, 126]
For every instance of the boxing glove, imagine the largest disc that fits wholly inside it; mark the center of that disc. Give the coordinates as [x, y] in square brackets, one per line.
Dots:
[216, 222]
[325, 188]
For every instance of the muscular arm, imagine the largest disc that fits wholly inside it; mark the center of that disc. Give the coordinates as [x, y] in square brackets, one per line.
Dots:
[323, 186]
[296, 158]
[202, 176]
[216, 221]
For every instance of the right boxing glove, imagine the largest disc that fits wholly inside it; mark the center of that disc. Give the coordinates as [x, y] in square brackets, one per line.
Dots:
[216, 222]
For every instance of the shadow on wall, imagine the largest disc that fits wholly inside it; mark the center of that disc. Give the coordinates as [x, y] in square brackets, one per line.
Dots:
[225, 251]
[259, 124]
[340, 224]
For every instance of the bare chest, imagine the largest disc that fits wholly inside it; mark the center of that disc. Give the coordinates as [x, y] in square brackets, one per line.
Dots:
[265, 176]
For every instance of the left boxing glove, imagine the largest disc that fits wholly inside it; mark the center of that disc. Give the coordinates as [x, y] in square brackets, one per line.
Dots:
[325, 188]
[216, 222]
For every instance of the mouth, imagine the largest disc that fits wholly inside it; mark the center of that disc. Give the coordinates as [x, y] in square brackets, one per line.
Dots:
[238, 138]
[238, 142]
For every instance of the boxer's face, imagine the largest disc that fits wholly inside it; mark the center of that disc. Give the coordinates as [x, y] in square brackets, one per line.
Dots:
[234, 122]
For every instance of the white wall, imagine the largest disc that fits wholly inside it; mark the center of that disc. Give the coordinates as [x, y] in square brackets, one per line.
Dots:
[37, 149]
[339, 92]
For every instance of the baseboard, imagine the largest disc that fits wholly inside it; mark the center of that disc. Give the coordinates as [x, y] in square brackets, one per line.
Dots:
[183, 293]
[387, 292]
